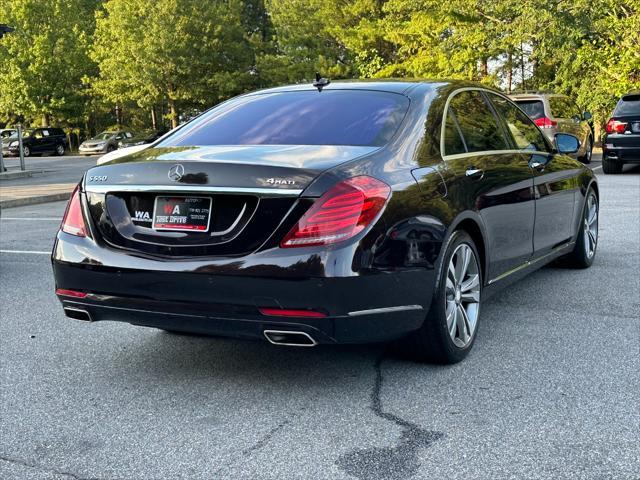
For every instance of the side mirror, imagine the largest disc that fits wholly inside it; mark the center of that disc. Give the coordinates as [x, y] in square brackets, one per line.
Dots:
[587, 116]
[566, 143]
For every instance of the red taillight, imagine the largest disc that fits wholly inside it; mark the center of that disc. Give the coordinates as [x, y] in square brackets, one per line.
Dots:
[544, 122]
[616, 126]
[286, 312]
[73, 220]
[70, 293]
[344, 211]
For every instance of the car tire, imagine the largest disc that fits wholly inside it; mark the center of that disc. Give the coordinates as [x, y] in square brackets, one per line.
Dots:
[586, 158]
[110, 148]
[611, 166]
[26, 151]
[584, 251]
[450, 328]
[60, 150]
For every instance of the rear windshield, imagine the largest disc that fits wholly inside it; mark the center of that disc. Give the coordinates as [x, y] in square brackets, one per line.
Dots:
[338, 117]
[628, 105]
[533, 108]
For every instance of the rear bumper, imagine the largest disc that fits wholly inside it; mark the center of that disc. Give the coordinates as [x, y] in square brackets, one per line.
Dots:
[622, 148]
[210, 296]
[622, 154]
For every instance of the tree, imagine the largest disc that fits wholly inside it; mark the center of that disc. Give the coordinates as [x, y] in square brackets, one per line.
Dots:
[45, 58]
[189, 52]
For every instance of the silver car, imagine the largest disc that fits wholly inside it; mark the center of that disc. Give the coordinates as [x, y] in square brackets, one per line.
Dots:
[555, 113]
[103, 142]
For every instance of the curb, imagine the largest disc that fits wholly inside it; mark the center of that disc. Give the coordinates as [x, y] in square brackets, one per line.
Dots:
[21, 202]
[19, 174]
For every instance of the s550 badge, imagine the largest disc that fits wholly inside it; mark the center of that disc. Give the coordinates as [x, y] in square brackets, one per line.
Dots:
[98, 178]
[280, 181]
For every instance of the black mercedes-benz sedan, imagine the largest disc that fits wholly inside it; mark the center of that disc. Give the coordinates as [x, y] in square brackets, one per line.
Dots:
[357, 212]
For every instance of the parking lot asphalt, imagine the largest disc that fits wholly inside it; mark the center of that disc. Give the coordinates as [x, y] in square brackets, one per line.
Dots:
[550, 391]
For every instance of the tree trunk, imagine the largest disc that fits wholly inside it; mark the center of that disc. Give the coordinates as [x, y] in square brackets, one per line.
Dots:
[173, 112]
[154, 120]
[484, 68]
[510, 72]
[45, 119]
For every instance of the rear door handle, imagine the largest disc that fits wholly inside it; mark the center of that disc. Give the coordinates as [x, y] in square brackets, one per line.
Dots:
[475, 173]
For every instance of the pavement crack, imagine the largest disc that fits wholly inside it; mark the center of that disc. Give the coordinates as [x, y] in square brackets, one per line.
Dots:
[265, 439]
[24, 463]
[394, 463]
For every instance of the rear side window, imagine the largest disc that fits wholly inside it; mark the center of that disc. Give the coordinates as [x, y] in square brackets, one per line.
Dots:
[562, 107]
[338, 117]
[478, 125]
[628, 105]
[533, 108]
[525, 134]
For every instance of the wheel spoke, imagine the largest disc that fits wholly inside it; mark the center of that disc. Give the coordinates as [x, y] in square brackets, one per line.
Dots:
[451, 318]
[462, 263]
[464, 332]
[470, 284]
[451, 274]
[592, 240]
[472, 296]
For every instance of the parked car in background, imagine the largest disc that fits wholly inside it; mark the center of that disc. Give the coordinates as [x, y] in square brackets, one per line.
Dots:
[366, 212]
[104, 142]
[143, 138]
[555, 113]
[7, 132]
[621, 143]
[5, 135]
[38, 141]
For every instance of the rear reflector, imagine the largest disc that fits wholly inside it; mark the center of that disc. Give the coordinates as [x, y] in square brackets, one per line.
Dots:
[544, 122]
[70, 293]
[284, 312]
[341, 213]
[616, 126]
[73, 220]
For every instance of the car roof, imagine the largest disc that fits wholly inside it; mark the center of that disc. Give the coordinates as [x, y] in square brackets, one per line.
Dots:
[392, 85]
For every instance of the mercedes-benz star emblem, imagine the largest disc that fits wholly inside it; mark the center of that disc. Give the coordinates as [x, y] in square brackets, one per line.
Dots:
[176, 172]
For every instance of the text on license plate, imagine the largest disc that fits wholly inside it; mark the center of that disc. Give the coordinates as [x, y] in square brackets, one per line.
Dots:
[182, 213]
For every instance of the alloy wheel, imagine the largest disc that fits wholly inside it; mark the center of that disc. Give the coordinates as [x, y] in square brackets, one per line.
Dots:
[462, 295]
[60, 150]
[591, 226]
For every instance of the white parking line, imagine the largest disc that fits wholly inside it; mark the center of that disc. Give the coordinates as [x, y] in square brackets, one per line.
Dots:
[33, 252]
[51, 219]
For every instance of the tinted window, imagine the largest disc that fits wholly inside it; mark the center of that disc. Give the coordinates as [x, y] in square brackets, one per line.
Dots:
[339, 117]
[562, 107]
[453, 142]
[525, 134]
[628, 105]
[533, 108]
[478, 124]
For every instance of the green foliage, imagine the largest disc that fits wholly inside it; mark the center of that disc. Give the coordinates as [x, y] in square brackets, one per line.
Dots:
[76, 59]
[44, 60]
[187, 51]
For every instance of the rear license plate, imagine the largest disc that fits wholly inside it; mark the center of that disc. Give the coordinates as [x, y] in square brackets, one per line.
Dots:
[635, 127]
[182, 213]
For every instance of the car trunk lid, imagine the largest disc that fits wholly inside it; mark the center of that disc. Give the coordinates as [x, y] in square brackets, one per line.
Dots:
[247, 191]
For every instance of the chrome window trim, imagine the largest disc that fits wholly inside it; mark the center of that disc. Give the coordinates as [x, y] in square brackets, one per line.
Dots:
[482, 152]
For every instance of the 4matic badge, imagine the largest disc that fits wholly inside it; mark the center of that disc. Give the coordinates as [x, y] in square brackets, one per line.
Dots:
[280, 181]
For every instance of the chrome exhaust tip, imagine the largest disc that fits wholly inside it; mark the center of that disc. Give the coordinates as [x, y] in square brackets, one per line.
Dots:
[290, 338]
[77, 314]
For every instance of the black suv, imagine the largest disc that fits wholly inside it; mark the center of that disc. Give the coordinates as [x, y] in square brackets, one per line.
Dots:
[39, 141]
[621, 143]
